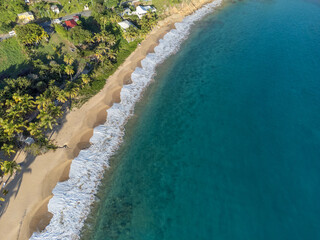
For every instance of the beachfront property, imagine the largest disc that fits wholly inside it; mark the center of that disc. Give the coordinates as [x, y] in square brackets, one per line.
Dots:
[55, 9]
[143, 10]
[126, 24]
[25, 17]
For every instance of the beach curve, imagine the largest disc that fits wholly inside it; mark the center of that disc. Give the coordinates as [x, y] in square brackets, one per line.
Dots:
[30, 203]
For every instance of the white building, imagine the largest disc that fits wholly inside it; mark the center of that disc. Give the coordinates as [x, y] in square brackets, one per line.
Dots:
[12, 33]
[126, 11]
[56, 21]
[143, 10]
[55, 9]
[126, 24]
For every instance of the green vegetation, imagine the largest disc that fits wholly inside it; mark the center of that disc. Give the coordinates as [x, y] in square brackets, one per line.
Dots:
[8, 13]
[58, 75]
[61, 70]
[42, 9]
[30, 34]
[12, 56]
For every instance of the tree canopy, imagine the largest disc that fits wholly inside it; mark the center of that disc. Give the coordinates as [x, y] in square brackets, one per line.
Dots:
[30, 34]
[8, 13]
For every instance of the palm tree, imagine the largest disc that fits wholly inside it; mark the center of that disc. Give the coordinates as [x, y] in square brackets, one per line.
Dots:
[111, 40]
[50, 57]
[34, 129]
[99, 55]
[49, 116]
[112, 56]
[46, 121]
[72, 93]
[104, 36]
[62, 96]
[8, 148]
[104, 20]
[85, 79]
[9, 167]
[68, 59]
[56, 68]
[103, 48]
[43, 102]
[10, 128]
[69, 70]
[19, 105]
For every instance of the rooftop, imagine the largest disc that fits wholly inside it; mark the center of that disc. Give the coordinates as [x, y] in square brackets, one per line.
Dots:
[144, 9]
[71, 23]
[25, 14]
[126, 24]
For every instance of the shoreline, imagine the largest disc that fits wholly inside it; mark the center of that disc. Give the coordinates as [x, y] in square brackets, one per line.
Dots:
[27, 210]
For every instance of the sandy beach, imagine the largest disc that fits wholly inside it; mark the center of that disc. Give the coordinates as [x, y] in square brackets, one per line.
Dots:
[25, 210]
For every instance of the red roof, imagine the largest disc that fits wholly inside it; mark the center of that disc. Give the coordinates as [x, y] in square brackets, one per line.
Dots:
[70, 23]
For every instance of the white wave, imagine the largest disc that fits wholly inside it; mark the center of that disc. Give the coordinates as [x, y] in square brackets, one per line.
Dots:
[72, 199]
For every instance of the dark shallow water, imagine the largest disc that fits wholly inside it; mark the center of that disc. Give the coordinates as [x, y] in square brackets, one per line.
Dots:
[226, 142]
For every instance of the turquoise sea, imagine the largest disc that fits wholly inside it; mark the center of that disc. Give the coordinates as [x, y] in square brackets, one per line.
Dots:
[225, 143]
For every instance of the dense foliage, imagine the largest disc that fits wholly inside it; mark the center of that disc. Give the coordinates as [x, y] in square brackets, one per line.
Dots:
[8, 13]
[30, 34]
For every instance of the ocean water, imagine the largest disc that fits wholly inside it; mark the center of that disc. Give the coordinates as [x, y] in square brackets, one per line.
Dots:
[225, 143]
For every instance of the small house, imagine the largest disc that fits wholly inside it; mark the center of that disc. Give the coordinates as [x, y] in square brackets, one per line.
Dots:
[25, 17]
[55, 9]
[56, 21]
[29, 141]
[86, 7]
[143, 10]
[12, 33]
[126, 24]
[127, 11]
[70, 23]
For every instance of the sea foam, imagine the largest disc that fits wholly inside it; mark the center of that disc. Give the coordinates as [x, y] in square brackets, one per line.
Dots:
[71, 201]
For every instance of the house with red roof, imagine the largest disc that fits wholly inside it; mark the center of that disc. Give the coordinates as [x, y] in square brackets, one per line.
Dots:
[70, 23]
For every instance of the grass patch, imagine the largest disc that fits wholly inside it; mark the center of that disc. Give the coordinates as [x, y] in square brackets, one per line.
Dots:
[12, 57]
[162, 4]
[55, 41]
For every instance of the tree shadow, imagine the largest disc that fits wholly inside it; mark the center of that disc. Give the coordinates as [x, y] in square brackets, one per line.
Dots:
[90, 24]
[13, 186]
[15, 70]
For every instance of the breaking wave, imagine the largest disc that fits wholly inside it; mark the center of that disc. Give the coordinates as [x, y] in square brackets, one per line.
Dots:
[72, 199]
